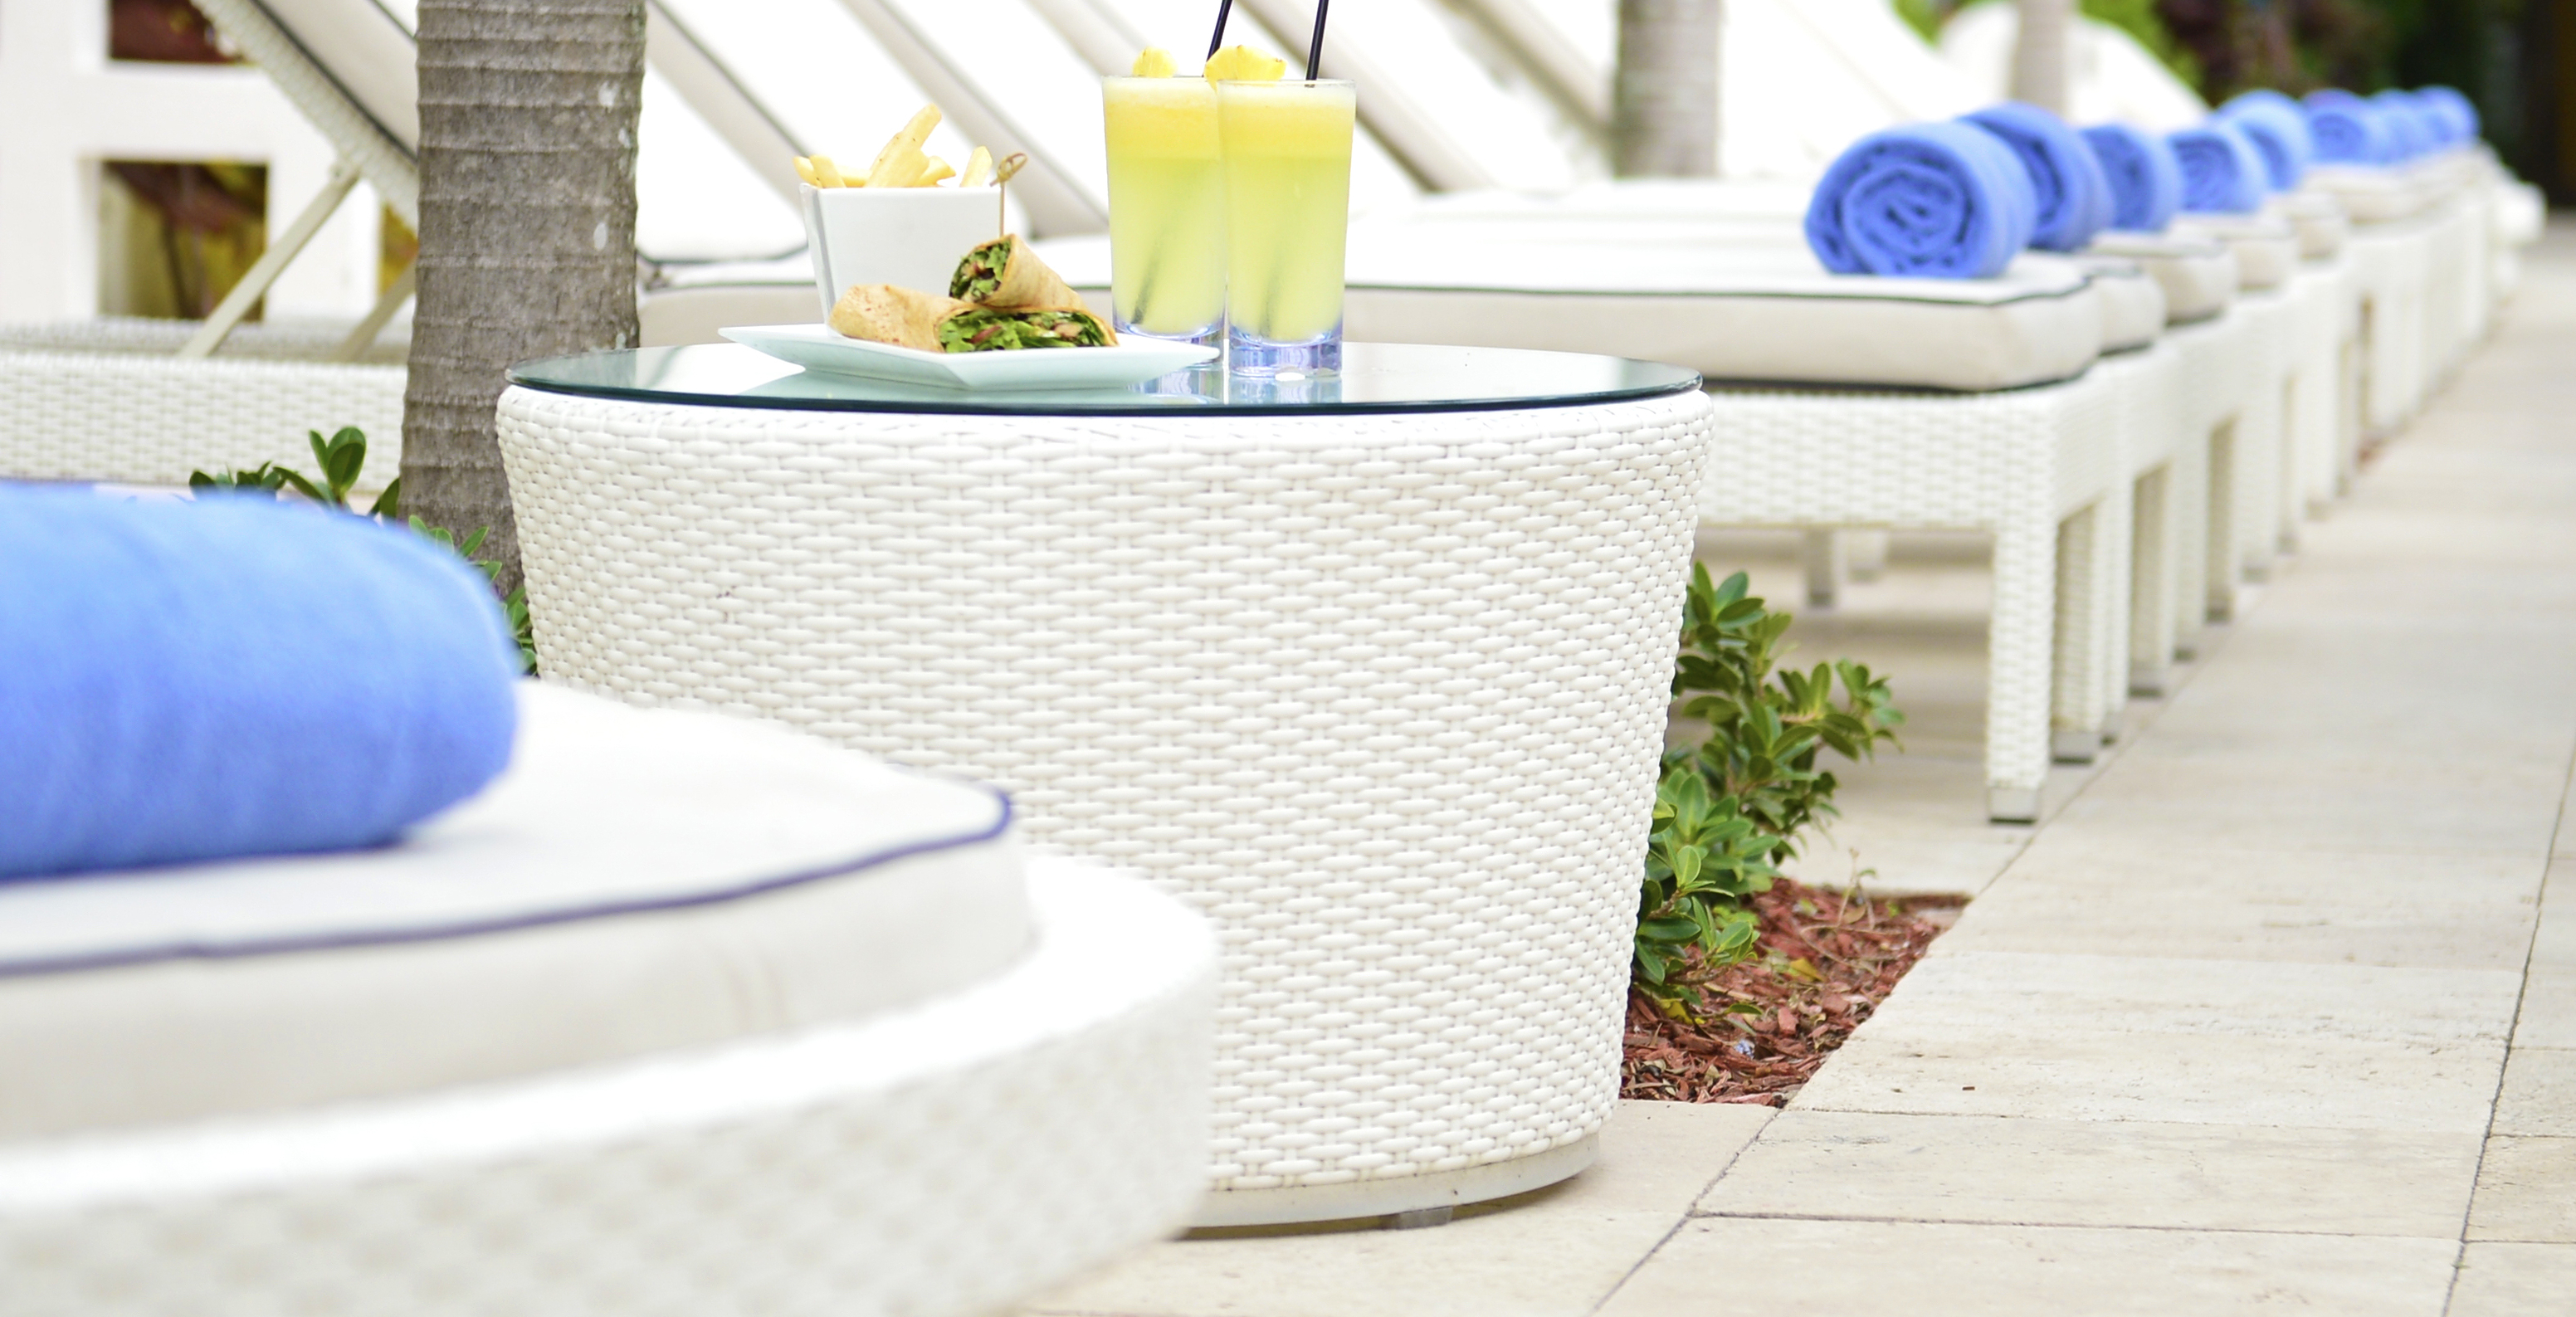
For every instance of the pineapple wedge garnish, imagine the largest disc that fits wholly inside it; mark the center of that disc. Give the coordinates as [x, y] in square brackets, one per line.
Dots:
[1156, 62]
[1244, 64]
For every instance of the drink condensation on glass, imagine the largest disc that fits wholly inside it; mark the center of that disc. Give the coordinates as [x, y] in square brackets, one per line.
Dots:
[1287, 203]
[1166, 208]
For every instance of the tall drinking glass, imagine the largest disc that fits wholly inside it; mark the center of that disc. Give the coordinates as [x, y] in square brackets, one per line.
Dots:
[1287, 205]
[1166, 208]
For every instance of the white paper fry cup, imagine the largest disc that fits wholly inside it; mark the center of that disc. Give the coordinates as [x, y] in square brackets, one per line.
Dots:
[911, 237]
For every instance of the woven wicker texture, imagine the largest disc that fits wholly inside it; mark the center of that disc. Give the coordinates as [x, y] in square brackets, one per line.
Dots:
[1383, 696]
[2016, 463]
[954, 1159]
[128, 418]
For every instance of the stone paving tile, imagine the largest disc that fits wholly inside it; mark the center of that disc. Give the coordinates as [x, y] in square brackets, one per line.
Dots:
[2514, 1280]
[2554, 946]
[2548, 1008]
[2463, 912]
[2051, 1071]
[1729, 1266]
[1554, 1253]
[2294, 804]
[2025, 1171]
[2539, 1095]
[2527, 1192]
[1964, 987]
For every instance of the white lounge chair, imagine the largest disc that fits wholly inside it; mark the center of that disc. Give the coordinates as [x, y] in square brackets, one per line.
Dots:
[683, 1011]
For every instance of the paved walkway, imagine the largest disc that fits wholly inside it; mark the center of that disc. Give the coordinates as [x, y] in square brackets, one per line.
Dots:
[2271, 1015]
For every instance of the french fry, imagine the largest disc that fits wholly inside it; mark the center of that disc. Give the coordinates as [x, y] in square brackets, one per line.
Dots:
[938, 170]
[805, 170]
[904, 144]
[900, 172]
[979, 169]
[825, 175]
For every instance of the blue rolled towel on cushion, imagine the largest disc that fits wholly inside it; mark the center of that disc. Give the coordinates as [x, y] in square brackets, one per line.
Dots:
[2074, 199]
[1931, 200]
[2279, 130]
[186, 681]
[2405, 120]
[2457, 108]
[2347, 129]
[2221, 171]
[2145, 179]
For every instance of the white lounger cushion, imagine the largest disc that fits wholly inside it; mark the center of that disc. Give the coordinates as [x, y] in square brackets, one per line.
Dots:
[638, 881]
[2321, 220]
[2197, 273]
[2266, 246]
[2133, 303]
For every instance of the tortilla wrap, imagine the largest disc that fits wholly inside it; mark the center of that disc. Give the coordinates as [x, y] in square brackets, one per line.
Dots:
[884, 313]
[1004, 272]
[905, 317]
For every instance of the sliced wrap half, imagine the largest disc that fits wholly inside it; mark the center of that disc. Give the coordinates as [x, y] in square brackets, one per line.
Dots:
[1004, 272]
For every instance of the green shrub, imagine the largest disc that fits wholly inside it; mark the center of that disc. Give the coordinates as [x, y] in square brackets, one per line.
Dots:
[1731, 808]
[340, 458]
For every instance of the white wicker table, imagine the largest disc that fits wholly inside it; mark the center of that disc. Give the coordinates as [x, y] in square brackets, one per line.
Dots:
[1379, 684]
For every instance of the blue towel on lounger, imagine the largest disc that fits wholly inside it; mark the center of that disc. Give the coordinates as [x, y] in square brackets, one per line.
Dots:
[1931, 200]
[2221, 170]
[2274, 124]
[2348, 130]
[2074, 199]
[2406, 119]
[184, 681]
[2145, 179]
[2454, 107]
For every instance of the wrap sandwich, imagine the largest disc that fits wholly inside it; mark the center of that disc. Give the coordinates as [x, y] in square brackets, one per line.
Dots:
[1004, 272]
[906, 317]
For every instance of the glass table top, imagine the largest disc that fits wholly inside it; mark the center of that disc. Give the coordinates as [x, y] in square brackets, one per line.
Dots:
[1375, 377]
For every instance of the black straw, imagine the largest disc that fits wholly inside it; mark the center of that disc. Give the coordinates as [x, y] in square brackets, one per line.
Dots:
[1315, 52]
[1223, 8]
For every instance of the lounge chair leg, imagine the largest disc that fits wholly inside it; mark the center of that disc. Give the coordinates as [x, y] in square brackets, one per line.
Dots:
[2080, 637]
[273, 262]
[1825, 557]
[2188, 487]
[2019, 662]
[2225, 566]
[1865, 552]
[2154, 543]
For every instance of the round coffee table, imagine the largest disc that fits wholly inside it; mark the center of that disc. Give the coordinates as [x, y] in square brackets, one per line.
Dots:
[1371, 669]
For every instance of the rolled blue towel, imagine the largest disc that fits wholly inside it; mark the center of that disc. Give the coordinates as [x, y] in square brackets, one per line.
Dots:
[2278, 129]
[2221, 170]
[2347, 129]
[1930, 200]
[184, 681]
[2462, 114]
[2145, 179]
[2066, 181]
[2405, 120]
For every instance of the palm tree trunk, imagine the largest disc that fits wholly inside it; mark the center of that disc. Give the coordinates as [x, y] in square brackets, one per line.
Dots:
[2039, 54]
[1663, 111]
[527, 229]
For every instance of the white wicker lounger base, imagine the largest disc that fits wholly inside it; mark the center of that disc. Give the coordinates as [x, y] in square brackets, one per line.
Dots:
[950, 1159]
[1360, 1199]
[1383, 695]
[2039, 468]
[133, 419]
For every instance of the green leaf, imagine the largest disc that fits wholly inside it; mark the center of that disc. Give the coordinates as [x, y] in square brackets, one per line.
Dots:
[389, 503]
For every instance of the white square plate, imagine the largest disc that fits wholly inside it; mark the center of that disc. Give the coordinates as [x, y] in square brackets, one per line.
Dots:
[819, 348]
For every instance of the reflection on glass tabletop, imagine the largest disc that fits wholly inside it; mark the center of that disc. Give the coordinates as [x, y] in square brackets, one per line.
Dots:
[1375, 377]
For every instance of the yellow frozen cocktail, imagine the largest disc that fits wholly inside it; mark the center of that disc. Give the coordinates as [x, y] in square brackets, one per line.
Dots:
[1166, 207]
[1287, 202]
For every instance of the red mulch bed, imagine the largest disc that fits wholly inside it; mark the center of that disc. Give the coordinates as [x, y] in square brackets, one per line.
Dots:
[1760, 1027]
